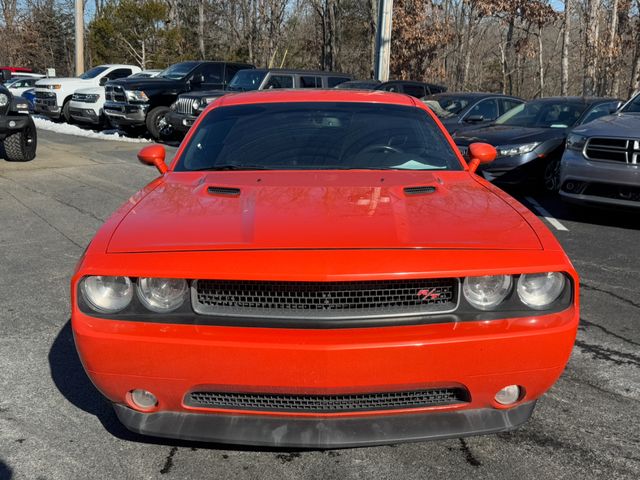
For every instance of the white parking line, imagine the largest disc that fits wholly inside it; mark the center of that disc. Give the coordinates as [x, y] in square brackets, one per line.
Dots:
[546, 215]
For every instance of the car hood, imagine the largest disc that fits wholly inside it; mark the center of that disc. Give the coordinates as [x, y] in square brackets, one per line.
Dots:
[153, 83]
[618, 125]
[91, 90]
[206, 94]
[58, 80]
[508, 135]
[320, 210]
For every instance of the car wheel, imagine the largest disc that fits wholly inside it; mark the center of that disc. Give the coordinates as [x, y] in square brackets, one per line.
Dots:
[21, 146]
[552, 175]
[158, 125]
[66, 116]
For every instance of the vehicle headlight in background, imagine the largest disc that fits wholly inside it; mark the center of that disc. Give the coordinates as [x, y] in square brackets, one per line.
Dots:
[539, 290]
[197, 105]
[107, 294]
[137, 96]
[91, 98]
[511, 150]
[162, 294]
[4, 99]
[204, 102]
[54, 86]
[576, 142]
[488, 291]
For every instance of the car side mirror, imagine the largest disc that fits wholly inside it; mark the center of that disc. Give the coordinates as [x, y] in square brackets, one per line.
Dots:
[4, 75]
[474, 118]
[103, 81]
[154, 155]
[480, 153]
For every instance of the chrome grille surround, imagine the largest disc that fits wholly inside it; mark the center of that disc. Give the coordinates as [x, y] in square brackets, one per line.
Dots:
[325, 300]
[115, 93]
[185, 105]
[619, 150]
[283, 402]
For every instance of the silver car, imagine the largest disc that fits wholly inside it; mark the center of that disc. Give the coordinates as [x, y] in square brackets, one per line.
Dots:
[601, 162]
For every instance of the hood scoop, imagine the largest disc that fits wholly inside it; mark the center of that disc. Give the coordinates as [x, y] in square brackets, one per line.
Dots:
[421, 190]
[224, 191]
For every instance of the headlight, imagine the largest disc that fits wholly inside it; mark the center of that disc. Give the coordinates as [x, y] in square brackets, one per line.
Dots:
[486, 292]
[107, 294]
[197, 105]
[576, 142]
[92, 98]
[162, 294]
[511, 150]
[137, 96]
[539, 290]
[4, 99]
[54, 86]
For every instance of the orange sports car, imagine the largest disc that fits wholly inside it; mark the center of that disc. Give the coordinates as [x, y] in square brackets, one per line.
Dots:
[322, 269]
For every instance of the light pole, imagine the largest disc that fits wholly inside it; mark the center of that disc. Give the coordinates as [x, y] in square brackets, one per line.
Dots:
[383, 39]
[79, 25]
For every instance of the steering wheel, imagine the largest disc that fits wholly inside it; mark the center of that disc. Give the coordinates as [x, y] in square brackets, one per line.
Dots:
[381, 148]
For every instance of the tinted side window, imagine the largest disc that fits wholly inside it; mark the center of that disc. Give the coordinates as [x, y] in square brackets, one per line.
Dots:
[392, 87]
[414, 90]
[279, 81]
[599, 111]
[488, 109]
[507, 104]
[229, 72]
[310, 82]
[119, 73]
[212, 72]
[334, 81]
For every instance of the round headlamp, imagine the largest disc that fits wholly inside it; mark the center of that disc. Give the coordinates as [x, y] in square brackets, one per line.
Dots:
[196, 105]
[486, 292]
[162, 294]
[107, 294]
[539, 290]
[4, 99]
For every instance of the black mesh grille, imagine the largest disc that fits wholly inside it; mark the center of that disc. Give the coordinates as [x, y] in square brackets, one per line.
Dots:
[327, 403]
[325, 299]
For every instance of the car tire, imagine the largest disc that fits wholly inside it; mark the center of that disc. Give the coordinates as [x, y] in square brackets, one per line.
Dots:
[66, 115]
[157, 124]
[552, 176]
[21, 146]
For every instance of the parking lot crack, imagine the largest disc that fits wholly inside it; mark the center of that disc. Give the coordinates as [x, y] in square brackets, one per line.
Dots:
[587, 286]
[468, 454]
[609, 354]
[168, 463]
[608, 332]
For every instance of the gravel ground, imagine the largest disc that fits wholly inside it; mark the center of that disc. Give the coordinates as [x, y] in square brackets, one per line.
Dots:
[55, 425]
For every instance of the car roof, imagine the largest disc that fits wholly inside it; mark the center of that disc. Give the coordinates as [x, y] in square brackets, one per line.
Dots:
[469, 95]
[301, 72]
[583, 100]
[316, 95]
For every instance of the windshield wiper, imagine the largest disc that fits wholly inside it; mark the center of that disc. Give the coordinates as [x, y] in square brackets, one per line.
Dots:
[231, 166]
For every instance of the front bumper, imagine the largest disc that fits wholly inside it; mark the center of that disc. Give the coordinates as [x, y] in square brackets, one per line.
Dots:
[323, 433]
[514, 169]
[12, 123]
[84, 114]
[599, 182]
[181, 122]
[46, 108]
[125, 114]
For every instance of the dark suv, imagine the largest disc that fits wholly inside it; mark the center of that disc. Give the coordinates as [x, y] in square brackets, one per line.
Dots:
[144, 102]
[189, 105]
[408, 87]
[17, 130]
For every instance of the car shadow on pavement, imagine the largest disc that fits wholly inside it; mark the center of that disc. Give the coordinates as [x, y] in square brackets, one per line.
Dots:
[6, 473]
[73, 383]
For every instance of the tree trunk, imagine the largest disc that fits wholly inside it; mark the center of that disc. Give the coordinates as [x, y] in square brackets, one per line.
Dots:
[201, 28]
[591, 49]
[540, 63]
[564, 74]
[506, 67]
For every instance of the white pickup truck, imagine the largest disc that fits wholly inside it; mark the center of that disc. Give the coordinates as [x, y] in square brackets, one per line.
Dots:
[53, 95]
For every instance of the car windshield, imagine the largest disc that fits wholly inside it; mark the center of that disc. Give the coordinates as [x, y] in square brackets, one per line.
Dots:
[633, 106]
[318, 136]
[543, 114]
[445, 107]
[178, 71]
[93, 73]
[246, 80]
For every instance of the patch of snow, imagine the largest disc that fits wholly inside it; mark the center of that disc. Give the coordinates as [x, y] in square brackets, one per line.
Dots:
[67, 129]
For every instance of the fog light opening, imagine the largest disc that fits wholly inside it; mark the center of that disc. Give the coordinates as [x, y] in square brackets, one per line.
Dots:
[509, 395]
[143, 399]
[12, 123]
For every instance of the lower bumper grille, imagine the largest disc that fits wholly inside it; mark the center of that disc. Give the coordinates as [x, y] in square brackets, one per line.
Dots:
[325, 300]
[327, 403]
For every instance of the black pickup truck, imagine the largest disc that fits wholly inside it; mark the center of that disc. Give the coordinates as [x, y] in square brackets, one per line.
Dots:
[17, 130]
[135, 103]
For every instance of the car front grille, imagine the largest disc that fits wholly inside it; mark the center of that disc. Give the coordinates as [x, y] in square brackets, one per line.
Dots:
[185, 105]
[114, 93]
[272, 402]
[329, 300]
[613, 150]
[45, 98]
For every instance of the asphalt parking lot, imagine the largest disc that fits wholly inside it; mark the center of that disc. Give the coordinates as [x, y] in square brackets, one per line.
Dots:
[55, 425]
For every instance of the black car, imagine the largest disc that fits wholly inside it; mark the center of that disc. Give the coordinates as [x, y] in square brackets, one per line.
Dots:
[144, 102]
[409, 87]
[460, 111]
[17, 131]
[189, 105]
[530, 138]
